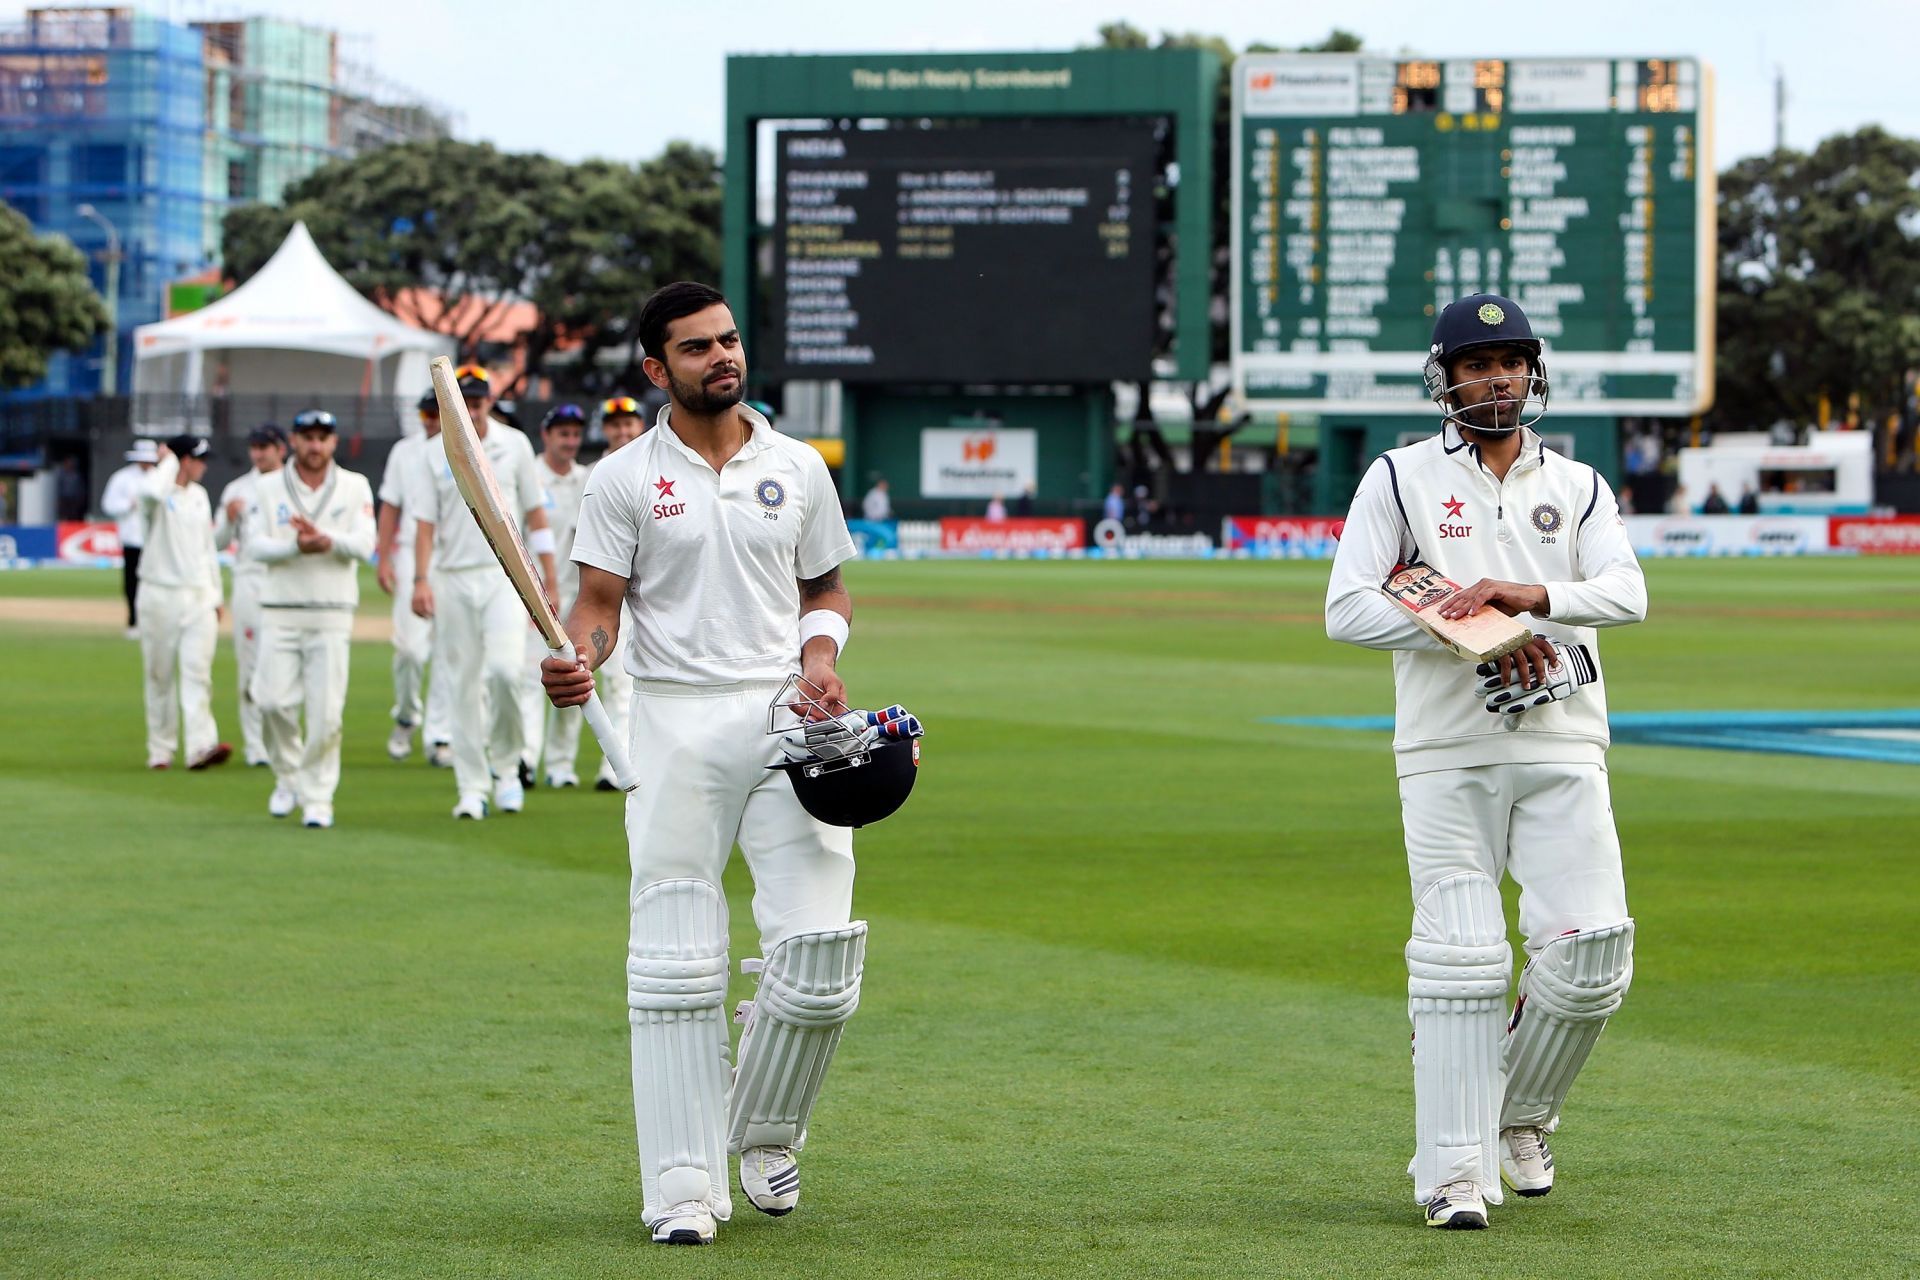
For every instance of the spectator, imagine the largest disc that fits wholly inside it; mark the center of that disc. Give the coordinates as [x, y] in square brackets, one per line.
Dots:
[70, 490]
[878, 504]
[1023, 505]
[1626, 500]
[1115, 507]
[1716, 503]
[996, 509]
[1677, 504]
[1749, 501]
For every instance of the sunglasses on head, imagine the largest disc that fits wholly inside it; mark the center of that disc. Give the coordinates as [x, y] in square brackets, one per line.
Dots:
[620, 404]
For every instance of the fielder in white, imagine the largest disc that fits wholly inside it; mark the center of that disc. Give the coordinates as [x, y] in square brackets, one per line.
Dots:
[479, 624]
[725, 539]
[179, 606]
[551, 730]
[412, 634]
[267, 447]
[1502, 767]
[621, 424]
[315, 527]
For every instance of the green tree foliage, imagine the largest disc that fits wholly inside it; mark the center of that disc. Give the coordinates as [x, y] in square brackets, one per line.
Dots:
[47, 304]
[1819, 288]
[484, 229]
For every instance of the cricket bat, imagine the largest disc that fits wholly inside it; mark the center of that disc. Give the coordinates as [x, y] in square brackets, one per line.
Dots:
[1421, 590]
[473, 474]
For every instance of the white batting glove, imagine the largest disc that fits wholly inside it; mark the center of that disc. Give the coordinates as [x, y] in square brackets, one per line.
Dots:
[1573, 666]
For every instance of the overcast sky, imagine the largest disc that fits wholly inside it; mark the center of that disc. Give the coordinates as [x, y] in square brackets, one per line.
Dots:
[621, 78]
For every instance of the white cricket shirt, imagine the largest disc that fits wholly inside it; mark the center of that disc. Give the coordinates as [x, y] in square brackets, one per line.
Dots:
[1552, 521]
[712, 560]
[403, 460]
[433, 496]
[179, 527]
[231, 532]
[341, 507]
[563, 517]
[121, 500]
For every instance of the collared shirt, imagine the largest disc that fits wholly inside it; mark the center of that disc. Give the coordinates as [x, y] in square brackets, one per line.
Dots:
[1551, 521]
[713, 559]
[563, 517]
[341, 507]
[432, 496]
[179, 527]
[404, 460]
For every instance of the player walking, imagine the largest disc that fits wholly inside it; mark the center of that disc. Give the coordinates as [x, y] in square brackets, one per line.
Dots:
[1502, 769]
[179, 606]
[315, 527]
[412, 634]
[726, 539]
[621, 423]
[267, 447]
[121, 501]
[479, 633]
[548, 728]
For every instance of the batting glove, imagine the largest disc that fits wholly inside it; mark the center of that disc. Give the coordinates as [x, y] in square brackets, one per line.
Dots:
[1573, 666]
[895, 722]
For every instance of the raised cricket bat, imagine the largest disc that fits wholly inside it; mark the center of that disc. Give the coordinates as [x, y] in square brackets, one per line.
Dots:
[481, 492]
[1421, 590]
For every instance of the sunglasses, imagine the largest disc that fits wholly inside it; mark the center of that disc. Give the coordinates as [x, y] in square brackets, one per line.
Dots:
[473, 371]
[619, 404]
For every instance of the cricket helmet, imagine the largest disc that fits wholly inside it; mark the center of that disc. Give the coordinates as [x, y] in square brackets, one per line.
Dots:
[847, 770]
[1483, 320]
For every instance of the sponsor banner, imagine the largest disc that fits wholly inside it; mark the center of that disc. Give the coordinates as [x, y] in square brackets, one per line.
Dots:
[1027, 535]
[1287, 537]
[982, 463]
[875, 535]
[1875, 535]
[1728, 535]
[88, 542]
[27, 542]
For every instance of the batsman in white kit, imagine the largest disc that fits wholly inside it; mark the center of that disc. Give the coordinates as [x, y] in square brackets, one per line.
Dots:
[726, 539]
[1502, 766]
[238, 510]
[412, 634]
[314, 529]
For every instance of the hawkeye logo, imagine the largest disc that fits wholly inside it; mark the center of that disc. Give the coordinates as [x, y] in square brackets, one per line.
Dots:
[1455, 507]
[663, 488]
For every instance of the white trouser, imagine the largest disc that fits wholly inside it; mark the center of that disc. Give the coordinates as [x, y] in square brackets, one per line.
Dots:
[412, 649]
[178, 631]
[1551, 825]
[479, 649]
[246, 652]
[303, 666]
[702, 753]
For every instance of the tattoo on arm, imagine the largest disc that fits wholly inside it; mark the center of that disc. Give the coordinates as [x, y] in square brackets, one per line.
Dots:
[600, 645]
[826, 584]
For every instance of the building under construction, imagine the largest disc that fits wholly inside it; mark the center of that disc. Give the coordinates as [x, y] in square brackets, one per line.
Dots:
[159, 127]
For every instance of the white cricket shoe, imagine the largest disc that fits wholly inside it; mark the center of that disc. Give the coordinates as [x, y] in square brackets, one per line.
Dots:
[771, 1178]
[1525, 1163]
[1457, 1206]
[557, 778]
[689, 1222]
[509, 795]
[317, 815]
[400, 741]
[281, 802]
[440, 755]
[474, 807]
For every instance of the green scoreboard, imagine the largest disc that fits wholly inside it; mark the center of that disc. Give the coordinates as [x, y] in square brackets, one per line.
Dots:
[1369, 192]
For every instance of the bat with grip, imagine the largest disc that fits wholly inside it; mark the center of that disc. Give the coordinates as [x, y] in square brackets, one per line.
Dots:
[1421, 590]
[473, 474]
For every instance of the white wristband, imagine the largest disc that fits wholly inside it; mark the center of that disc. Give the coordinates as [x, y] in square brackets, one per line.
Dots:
[540, 541]
[824, 622]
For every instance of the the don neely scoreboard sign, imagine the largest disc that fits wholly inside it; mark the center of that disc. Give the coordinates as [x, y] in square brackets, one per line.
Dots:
[1369, 192]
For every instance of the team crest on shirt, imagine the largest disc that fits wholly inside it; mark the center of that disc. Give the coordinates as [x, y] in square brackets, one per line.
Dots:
[771, 494]
[1547, 518]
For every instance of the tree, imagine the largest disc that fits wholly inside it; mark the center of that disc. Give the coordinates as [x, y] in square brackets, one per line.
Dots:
[47, 303]
[1819, 279]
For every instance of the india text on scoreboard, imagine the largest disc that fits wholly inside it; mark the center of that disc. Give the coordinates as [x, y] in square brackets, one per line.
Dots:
[1370, 192]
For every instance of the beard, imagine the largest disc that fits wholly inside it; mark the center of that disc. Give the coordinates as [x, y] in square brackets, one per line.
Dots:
[697, 399]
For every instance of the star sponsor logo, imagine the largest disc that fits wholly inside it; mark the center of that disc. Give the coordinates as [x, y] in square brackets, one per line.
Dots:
[663, 488]
[1451, 525]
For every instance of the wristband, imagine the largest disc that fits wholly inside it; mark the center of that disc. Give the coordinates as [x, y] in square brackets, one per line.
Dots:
[540, 541]
[824, 622]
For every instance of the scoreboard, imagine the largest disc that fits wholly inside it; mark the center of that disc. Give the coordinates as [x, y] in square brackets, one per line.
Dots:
[1369, 192]
[985, 252]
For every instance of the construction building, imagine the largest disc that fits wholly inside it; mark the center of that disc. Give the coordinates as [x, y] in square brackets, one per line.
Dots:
[158, 128]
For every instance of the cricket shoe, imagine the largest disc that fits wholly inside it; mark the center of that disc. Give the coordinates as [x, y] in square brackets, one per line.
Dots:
[158, 763]
[1525, 1163]
[771, 1178]
[440, 755]
[317, 815]
[281, 802]
[689, 1222]
[509, 795]
[528, 781]
[604, 780]
[400, 741]
[558, 778]
[474, 807]
[1457, 1206]
[218, 753]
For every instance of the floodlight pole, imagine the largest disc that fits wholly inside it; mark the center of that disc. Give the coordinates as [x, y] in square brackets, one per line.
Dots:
[109, 376]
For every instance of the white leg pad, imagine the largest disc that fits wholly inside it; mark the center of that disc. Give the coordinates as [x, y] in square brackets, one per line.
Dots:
[1458, 969]
[676, 990]
[1567, 993]
[809, 987]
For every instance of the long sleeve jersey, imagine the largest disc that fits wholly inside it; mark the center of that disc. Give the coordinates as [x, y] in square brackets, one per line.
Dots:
[340, 507]
[178, 521]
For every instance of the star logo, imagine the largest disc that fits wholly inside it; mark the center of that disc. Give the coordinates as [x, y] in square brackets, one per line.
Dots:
[1453, 506]
[663, 487]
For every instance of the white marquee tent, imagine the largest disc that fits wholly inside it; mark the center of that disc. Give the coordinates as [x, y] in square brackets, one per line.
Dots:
[295, 329]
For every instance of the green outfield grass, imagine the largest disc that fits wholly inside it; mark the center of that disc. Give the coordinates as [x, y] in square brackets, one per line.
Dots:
[1134, 1000]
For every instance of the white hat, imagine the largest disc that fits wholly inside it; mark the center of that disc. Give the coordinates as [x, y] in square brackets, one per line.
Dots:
[143, 450]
